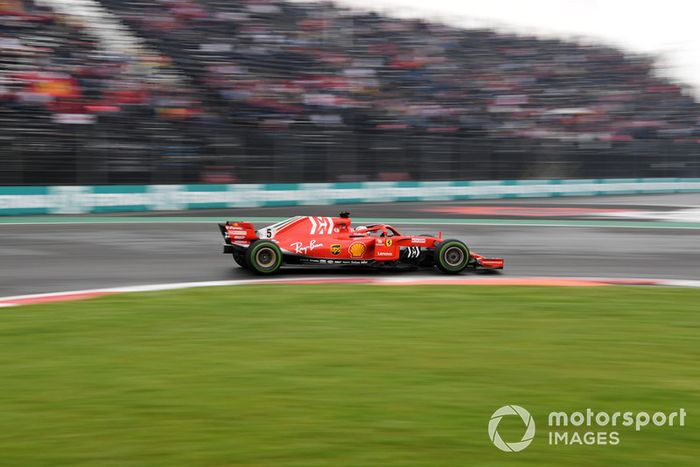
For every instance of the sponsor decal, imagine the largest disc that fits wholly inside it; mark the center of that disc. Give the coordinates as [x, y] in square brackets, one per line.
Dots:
[335, 249]
[412, 252]
[389, 242]
[357, 249]
[333, 261]
[301, 249]
[321, 225]
[385, 253]
[419, 240]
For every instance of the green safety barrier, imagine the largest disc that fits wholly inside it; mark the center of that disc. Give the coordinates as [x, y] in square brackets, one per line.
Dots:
[125, 198]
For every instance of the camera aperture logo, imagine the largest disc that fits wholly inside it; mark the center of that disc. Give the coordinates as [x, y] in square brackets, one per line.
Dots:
[528, 436]
[586, 427]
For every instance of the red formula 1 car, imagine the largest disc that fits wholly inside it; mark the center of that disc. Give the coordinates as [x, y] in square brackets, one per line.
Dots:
[332, 241]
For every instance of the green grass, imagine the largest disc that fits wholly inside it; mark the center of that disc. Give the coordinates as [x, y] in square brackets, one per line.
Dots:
[344, 375]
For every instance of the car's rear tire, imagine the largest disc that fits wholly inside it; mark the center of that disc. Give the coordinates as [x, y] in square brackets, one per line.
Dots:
[451, 256]
[263, 257]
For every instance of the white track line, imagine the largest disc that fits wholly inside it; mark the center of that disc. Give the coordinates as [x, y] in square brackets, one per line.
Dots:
[427, 280]
[690, 215]
[142, 288]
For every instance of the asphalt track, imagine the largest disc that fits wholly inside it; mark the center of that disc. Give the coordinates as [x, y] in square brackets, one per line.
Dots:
[42, 257]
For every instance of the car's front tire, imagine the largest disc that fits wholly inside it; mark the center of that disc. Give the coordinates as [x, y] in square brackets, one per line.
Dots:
[452, 256]
[263, 257]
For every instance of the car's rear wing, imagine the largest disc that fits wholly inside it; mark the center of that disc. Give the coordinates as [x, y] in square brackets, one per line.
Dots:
[237, 232]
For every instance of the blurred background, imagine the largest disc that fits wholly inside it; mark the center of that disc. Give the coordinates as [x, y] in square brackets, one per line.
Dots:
[264, 91]
[130, 128]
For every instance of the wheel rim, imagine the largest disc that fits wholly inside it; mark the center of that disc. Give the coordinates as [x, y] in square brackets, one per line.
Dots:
[454, 256]
[266, 257]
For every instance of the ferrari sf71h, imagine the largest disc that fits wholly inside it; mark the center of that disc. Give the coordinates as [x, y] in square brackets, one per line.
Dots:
[333, 241]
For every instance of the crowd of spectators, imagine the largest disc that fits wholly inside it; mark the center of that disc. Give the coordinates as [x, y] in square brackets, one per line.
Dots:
[63, 94]
[223, 79]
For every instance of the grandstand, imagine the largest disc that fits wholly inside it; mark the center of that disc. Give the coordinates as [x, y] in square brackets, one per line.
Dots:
[253, 91]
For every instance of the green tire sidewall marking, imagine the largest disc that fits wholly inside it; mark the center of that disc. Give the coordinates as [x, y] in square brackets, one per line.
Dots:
[254, 251]
[446, 245]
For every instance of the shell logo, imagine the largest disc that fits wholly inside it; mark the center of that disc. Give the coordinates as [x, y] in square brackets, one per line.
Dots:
[357, 249]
